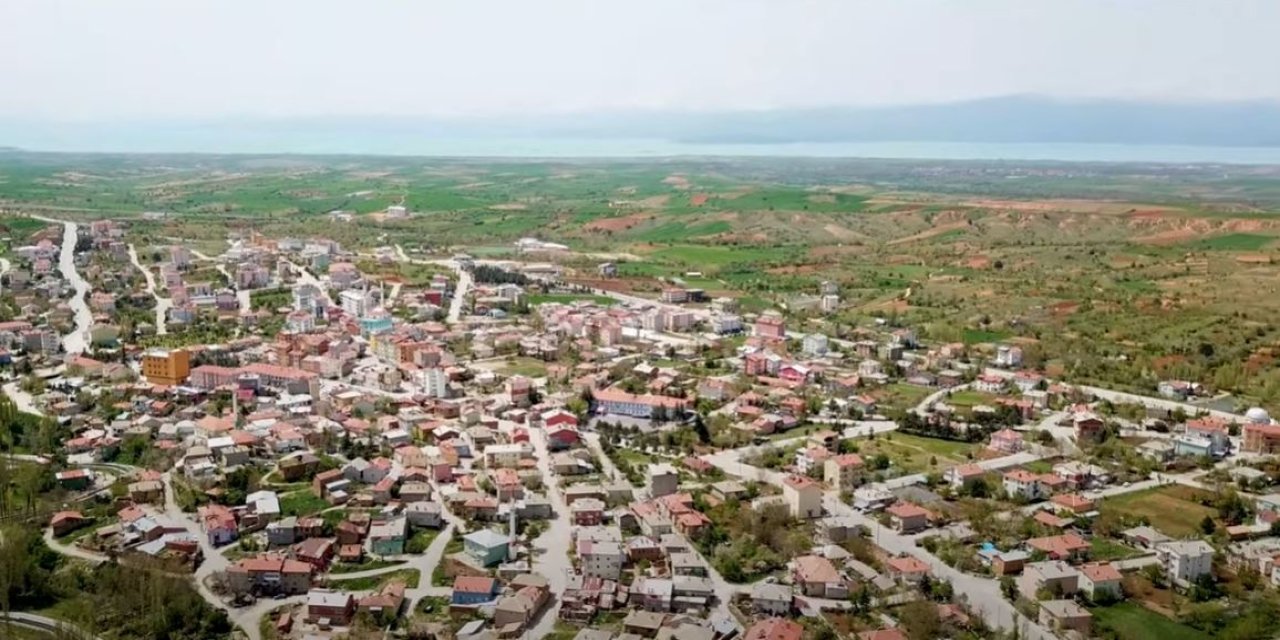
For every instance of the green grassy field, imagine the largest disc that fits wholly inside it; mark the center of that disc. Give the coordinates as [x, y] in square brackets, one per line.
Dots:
[1105, 549]
[369, 565]
[1168, 509]
[979, 336]
[969, 398]
[900, 395]
[528, 367]
[913, 453]
[566, 298]
[1235, 242]
[717, 256]
[678, 231]
[301, 503]
[409, 576]
[1130, 621]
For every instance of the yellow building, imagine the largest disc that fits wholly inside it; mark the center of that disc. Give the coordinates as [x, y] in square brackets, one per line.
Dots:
[166, 366]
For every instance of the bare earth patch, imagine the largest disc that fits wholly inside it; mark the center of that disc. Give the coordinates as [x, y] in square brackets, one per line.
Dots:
[1253, 258]
[1070, 205]
[677, 181]
[929, 233]
[842, 233]
[621, 223]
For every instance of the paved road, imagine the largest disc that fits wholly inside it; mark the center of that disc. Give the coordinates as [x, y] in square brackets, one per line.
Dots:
[214, 562]
[306, 277]
[459, 293]
[990, 465]
[551, 549]
[78, 340]
[48, 626]
[21, 399]
[72, 550]
[162, 304]
[923, 406]
[1133, 398]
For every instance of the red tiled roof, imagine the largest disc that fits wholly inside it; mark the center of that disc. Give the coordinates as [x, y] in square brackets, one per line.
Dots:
[473, 584]
[908, 564]
[1059, 545]
[816, 569]
[775, 629]
[907, 510]
[1101, 572]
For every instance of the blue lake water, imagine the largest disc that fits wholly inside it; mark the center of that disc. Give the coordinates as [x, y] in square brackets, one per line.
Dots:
[385, 142]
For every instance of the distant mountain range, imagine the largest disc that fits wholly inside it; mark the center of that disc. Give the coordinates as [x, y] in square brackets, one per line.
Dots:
[1017, 119]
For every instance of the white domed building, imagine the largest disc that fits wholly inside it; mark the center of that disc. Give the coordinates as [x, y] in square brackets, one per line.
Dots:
[1261, 435]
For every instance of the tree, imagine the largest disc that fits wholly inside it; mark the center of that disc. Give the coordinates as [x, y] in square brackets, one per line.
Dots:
[1008, 588]
[920, 620]
[700, 428]
[1207, 526]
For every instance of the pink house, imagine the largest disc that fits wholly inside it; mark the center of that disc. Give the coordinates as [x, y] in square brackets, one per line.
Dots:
[771, 327]
[794, 373]
[1006, 441]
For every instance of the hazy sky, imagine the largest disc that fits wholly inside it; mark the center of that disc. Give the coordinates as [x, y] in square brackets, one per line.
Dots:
[193, 58]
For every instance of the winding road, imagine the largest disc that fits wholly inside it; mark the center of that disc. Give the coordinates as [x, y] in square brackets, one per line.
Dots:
[162, 304]
[77, 341]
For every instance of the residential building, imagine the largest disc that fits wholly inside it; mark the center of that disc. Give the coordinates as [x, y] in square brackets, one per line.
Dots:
[1058, 578]
[1065, 615]
[803, 497]
[486, 546]
[815, 576]
[601, 559]
[269, 574]
[387, 538]
[473, 590]
[1100, 580]
[168, 367]
[815, 344]
[337, 607]
[1020, 483]
[1185, 561]
[771, 599]
[1069, 547]
[908, 518]
[663, 480]
[962, 474]
[1006, 441]
[774, 629]
[843, 472]
[906, 569]
[770, 327]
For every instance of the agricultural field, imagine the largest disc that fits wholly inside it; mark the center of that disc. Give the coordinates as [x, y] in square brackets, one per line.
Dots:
[565, 298]
[1132, 621]
[528, 367]
[1172, 509]
[916, 454]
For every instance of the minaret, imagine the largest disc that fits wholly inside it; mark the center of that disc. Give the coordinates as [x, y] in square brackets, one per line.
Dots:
[511, 530]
